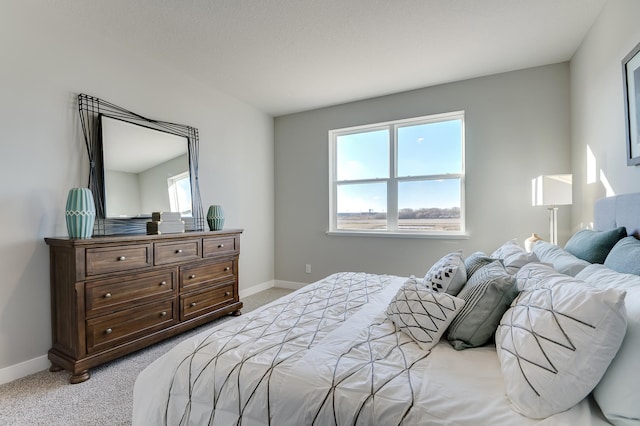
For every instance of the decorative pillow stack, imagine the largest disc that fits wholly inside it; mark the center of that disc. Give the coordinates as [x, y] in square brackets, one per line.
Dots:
[513, 256]
[488, 294]
[594, 246]
[557, 340]
[421, 313]
[447, 275]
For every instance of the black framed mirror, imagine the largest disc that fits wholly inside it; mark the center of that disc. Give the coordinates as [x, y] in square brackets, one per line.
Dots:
[137, 166]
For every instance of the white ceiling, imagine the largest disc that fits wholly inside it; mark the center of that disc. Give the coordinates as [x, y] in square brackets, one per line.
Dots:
[132, 148]
[285, 56]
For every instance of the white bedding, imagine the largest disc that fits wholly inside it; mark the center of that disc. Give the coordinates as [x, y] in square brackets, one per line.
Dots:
[298, 361]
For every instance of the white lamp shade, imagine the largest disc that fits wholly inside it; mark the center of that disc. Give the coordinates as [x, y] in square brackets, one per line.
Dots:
[551, 190]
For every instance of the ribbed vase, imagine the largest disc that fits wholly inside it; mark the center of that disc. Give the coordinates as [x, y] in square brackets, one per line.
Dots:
[80, 213]
[215, 217]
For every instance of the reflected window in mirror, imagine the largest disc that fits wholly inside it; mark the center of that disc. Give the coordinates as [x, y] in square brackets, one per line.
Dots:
[180, 193]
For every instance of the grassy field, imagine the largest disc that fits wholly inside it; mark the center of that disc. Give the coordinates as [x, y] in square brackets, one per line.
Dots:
[403, 224]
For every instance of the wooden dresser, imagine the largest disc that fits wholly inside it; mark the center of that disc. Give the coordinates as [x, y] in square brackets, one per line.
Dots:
[114, 295]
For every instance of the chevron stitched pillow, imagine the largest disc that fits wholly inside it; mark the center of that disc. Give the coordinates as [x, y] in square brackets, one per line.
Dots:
[556, 341]
[618, 392]
[447, 275]
[422, 314]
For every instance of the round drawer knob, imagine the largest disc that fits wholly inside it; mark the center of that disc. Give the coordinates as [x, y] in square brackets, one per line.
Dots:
[163, 283]
[220, 245]
[192, 276]
[108, 331]
[228, 293]
[122, 258]
[108, 295]
[163, 314]
[179, 251]
[193, 304]
[227, 268]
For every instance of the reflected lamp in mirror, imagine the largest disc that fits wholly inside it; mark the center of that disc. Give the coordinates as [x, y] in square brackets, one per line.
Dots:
[552, 191]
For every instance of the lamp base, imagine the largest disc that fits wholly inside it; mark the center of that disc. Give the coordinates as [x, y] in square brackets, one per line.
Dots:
[553, 225]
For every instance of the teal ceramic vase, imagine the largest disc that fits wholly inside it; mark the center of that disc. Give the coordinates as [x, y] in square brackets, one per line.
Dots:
[215, 217]
[80, 213]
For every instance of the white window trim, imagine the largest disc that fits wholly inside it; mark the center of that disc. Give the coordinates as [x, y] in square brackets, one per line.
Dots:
[392, 193]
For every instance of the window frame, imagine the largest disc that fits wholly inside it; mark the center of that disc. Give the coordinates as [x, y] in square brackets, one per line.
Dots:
[393, 180]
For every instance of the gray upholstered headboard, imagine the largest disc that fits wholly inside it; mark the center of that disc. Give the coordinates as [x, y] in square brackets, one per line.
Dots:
[616, 211]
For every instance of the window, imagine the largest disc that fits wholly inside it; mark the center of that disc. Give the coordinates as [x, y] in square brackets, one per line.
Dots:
[404, 177]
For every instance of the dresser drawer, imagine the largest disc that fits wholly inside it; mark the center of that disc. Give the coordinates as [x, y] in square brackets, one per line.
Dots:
[103, 260]
[219, 246]
[128, 291]
[203, 302]
[123, 326]
[174, 252]
[198, 276]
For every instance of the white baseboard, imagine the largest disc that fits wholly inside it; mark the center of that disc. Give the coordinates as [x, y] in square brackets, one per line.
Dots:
[256, 289]
[17, 371]
[270, 284]
[289, 284]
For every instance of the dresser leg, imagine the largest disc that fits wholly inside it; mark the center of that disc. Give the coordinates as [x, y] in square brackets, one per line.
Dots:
[80, 377]
[55, 368]
[236, 313]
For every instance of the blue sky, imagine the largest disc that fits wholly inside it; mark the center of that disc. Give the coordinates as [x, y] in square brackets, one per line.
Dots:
[433, 148]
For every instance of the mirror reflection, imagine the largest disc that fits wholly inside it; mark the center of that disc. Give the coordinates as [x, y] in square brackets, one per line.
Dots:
[145, 170]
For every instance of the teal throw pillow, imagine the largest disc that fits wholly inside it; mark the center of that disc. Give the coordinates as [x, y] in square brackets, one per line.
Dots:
[594, 246]
[624, 257]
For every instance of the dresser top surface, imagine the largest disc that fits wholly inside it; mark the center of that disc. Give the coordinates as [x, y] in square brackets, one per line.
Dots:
[129, 238]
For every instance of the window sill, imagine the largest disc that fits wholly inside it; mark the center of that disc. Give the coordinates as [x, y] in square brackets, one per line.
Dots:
[448, 236]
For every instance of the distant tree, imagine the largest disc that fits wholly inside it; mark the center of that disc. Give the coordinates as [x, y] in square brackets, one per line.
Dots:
[429, 213]
[406, 214]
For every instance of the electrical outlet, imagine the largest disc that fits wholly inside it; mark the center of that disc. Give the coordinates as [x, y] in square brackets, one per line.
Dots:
[307, 268]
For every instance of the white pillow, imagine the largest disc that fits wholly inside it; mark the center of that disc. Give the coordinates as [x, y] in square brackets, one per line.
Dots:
[447, 275]
[557, 340]
[422, 314]
[562, 261]
[513, 256]
[618, 393]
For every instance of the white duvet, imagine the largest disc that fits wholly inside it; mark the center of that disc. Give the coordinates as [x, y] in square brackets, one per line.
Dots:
[327, 355]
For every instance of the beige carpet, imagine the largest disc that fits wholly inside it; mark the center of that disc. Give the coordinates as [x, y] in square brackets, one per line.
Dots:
[47, 398]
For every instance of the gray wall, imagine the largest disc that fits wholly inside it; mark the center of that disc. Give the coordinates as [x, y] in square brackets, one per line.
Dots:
[597, 110]
[517, 127]
[122, 192]
[153, 184]
[46, 61]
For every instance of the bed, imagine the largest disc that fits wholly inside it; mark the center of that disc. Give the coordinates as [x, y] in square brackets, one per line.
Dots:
[365, 349]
